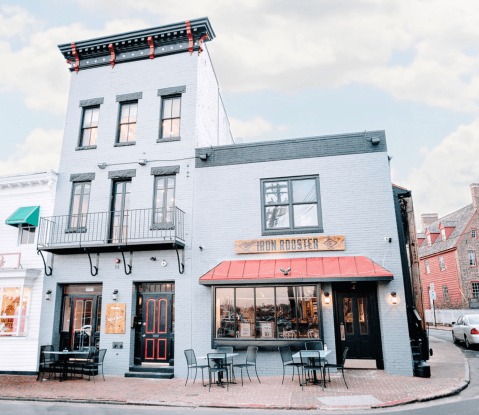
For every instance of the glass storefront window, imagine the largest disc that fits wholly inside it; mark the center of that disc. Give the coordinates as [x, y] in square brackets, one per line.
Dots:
[14, 310]
[348, 315]
[67, 310]
[286, 312]
[225, 322]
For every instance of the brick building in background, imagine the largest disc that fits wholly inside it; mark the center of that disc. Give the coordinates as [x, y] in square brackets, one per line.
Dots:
[448, 251]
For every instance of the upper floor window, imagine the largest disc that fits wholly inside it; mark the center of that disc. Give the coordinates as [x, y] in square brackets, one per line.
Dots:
[170, 117]
[291, 205]
[473, 233]
[127, 128]
[164, 200]
[26, 234]
[79, 204]
[472, 259]
[428, 239]
[426, 263]
[89, 128]
[443, 234]
[475, 289]
[441, 263]
[445, 292]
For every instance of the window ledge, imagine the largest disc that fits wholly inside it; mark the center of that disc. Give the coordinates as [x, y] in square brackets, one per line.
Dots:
[168, 139]
[76, 230]
[129, 143]
[85, 148]
[291, 231]
[263, 344]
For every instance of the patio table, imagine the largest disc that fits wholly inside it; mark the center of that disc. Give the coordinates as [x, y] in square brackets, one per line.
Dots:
[65, 356]
[217, 358]
[313, 354]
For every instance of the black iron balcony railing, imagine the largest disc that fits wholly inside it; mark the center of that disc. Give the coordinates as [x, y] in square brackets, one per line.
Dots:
[139, 229]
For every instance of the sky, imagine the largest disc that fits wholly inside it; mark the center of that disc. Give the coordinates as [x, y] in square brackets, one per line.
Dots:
[286, 70]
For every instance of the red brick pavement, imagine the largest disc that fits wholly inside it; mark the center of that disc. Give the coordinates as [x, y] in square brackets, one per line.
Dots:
[447, 374]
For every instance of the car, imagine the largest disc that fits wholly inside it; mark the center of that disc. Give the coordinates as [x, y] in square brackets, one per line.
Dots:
[466, 329]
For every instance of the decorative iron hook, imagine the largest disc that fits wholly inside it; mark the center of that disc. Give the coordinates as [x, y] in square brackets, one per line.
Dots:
[181, 267]
[125, 264]
[91, 265]
[47, 273]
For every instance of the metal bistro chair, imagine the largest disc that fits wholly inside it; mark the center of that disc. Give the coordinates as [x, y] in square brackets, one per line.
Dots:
[97, 361]
[229, 360]
[192, 364]
[338, 367]
[311, 363]
[287, 358]
[78, 364]
[251, 355]
[48, 363]
[316, 345]
[217, 364]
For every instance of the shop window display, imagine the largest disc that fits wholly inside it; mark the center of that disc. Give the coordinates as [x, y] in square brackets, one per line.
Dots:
[14, 309]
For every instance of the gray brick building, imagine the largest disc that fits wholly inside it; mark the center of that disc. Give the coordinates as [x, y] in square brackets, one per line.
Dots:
[166, 235]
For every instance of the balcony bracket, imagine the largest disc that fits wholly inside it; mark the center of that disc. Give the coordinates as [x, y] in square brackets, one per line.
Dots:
[92, 266]
[50, 269]
[125, 264]
[181, 267]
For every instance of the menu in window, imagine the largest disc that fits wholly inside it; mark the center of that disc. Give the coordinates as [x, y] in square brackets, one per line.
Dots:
[245, 330]
[266, 330]
[115, 318]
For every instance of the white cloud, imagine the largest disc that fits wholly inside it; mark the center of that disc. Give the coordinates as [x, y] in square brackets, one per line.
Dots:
[441, 183]
[290, 47]
[282, 127]
[39, 152]
[249, 128]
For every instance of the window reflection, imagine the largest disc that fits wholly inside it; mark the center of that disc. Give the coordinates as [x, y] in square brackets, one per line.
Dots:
[348, 315]
[363, 317]
[225, 312]
[265, 321]
[245, 312]
[307, 312]
[285, 306]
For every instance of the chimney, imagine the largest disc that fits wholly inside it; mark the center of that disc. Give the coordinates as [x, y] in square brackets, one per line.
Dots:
[475, 195]
[428, 218]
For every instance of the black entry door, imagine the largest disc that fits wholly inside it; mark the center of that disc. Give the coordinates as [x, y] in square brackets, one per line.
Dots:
[157, 327]
[357, 323]
[120, 209]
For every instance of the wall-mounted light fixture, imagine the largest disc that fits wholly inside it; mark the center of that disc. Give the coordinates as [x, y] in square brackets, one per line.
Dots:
[394, 298]
[48, 295]
[102, 166]
[327, 298]
[117, 261]
[142, 162]
[114, 295]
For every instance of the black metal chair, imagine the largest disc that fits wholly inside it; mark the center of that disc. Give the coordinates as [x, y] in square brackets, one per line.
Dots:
[48, 362]
[77, 365]
[251, 355]
[316, 345]
[192, 364]
[311, 361]
[217, 365]
[95, 364]
[229, 360]
[339, 366]
[287, 358]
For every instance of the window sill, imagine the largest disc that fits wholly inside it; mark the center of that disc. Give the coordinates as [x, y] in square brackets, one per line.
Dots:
[263, 344]
[291, 231]
[168, 139]
[13, 337]
[129, 143]
[76, 230]
[85, 148]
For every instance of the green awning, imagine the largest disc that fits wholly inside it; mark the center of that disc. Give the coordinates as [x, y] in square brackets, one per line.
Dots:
[24, 216]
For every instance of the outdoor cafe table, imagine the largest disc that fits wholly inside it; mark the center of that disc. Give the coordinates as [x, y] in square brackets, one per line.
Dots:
[64, 357]
[217, 358]
[312, 354]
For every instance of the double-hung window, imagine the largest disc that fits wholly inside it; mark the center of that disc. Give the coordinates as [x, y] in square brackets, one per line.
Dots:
[79, 204]
[89, 126]
[428, 239]
[442, 265]
[472, 259]
[291, 205]
[445, 292]
[426, 263]
[14, 310]
[170, 117]
[475, 289]
[164, 209]
[443, 234]
[26, 234]
[473, 233]
[127, 127]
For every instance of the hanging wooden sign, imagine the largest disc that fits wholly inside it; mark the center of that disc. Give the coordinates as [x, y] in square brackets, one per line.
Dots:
[299, 244]
[115, 318]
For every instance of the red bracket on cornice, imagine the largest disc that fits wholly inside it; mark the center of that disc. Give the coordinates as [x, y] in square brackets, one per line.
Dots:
[200, 43]
[190, 37]
[77, 59]
[113, 56]
[152, 47]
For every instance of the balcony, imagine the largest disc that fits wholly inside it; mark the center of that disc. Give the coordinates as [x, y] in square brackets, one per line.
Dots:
[126, 230]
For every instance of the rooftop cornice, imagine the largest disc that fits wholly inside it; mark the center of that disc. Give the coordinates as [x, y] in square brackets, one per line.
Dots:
[23, 180]
[139, 44]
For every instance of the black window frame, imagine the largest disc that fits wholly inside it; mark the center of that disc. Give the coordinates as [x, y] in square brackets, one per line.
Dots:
[81, 146]
[273, 343]
[291, 230]
[475, 289]
[163, 225]
[80, 204]
[162, 107]
[119, 124]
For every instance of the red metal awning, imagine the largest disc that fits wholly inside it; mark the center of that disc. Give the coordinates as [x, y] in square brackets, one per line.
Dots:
[324, 269]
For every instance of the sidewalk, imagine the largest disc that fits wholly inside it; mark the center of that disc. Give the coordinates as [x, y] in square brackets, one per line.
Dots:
[367, 388]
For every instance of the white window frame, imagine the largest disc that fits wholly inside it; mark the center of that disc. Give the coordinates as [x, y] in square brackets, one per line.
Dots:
[442, 265]
[426, 264]
[20, 231]
[26, 317]
[472, 258]
[443, 234]
[428, 240]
